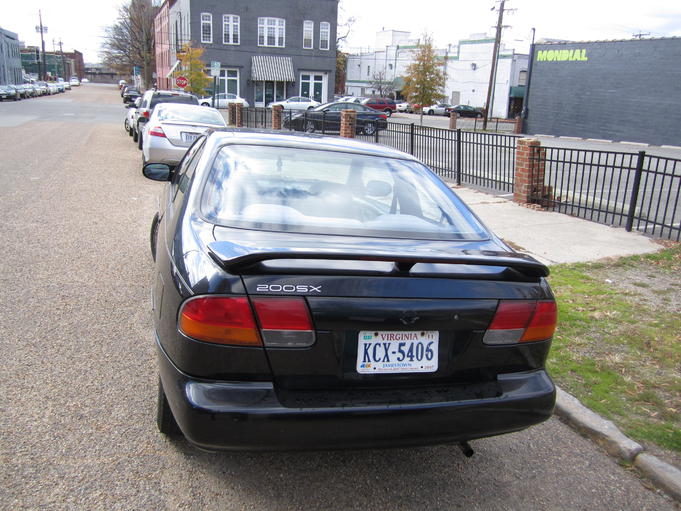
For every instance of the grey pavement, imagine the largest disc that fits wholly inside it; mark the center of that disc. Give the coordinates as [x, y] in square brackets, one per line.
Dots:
[553, 237]
[78, 384]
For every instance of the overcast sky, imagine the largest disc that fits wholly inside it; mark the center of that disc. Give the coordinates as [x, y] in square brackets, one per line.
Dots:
[80, 23]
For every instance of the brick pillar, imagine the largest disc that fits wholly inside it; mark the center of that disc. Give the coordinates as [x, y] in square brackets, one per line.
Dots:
[348, 123]
[452, 120]
[231, 114]
[518, 128]
[530, 159]
[239, 117]
[276, 116]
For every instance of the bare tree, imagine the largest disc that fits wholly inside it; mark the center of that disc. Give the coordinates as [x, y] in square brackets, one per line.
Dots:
[344, 25]
[130, 41]
[381, 84]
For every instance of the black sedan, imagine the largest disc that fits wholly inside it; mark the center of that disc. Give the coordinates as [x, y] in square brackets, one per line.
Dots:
[131, 94]
[326, 118]
[463, 111]
[317, 292]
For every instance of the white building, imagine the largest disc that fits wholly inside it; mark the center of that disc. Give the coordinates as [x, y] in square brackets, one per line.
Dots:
[467, 67]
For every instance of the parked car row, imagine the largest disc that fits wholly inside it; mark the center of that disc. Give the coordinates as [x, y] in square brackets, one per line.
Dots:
[17, 92]
[164, 124]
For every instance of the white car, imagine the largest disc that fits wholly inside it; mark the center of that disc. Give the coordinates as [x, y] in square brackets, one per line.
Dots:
[130, 116]
[296, 103]
[351, 99]
[173, 127]
[74, 81]
[402, 106]
[85, 80]
[436, 109]
[222, 100]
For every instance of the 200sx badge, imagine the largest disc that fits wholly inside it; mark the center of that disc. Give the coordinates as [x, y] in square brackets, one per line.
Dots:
[397, 352]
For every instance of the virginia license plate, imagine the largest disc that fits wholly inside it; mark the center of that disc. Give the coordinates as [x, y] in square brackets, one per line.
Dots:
[190, 137]
[397, 352]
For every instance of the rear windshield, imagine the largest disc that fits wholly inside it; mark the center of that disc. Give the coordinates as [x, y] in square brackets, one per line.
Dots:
[189, 100]
[201, 115]
[327, 192]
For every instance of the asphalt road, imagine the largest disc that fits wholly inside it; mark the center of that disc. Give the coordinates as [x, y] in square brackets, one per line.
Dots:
[78, 382]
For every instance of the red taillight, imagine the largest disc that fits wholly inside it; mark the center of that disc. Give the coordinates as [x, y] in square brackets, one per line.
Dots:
[543, 323]
[219, 319]
[285, 321]
[145, 113]
[157, 131]
[383, 116]
[522, 321]
[282, 313]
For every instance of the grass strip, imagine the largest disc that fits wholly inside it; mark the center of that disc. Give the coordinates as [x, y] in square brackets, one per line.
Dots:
[618, 343]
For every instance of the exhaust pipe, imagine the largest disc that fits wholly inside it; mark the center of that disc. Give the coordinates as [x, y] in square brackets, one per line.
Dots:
[466, 449]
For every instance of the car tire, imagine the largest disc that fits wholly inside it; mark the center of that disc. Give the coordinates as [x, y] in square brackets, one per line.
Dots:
[139, 141]
[130, 131]
[369, 128]
[153, 235]
[164, 416]
[127, 125]
[431, 112]
[388, 112]
[309, 127]
[134, 136]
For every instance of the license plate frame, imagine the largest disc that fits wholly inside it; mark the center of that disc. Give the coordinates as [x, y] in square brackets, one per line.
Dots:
[189, 136]
[397, 352]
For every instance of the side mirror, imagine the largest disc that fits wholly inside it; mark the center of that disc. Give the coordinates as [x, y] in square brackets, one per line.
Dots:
[142, 119]
[157, 171]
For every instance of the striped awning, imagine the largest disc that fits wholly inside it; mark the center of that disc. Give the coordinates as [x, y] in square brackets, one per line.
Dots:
[270, 68]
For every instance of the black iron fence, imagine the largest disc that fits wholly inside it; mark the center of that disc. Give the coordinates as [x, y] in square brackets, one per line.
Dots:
[637, 191]
[484, 160]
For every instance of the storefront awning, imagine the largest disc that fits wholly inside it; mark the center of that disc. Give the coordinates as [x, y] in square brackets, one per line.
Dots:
[269, 68]
[518, 91]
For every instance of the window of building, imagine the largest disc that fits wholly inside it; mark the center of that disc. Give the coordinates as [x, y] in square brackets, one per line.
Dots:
[522, 77]
[229, 81]
[230, 29]
[271, 32]
[308, 34]
[206, 27]
[368, 70]
[324, 35]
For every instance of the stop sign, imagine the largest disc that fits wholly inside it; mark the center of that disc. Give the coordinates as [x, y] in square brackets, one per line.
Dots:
[181, 82]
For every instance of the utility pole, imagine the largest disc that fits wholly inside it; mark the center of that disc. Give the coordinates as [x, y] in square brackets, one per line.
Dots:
[493, 70]
[43, 30]
[61, 54]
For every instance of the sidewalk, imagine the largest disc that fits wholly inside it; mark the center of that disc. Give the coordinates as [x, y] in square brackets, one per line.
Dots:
[551, 237]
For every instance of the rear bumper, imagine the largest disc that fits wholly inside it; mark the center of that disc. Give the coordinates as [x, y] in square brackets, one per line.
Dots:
[218, 415]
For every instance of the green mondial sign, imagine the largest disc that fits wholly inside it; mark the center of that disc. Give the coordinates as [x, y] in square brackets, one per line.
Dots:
[578, 54]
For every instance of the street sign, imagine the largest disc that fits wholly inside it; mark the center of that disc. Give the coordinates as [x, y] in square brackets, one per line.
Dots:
[181, 82]
[214, 68]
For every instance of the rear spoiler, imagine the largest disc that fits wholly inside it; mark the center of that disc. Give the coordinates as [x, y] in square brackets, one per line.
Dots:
[237, 258]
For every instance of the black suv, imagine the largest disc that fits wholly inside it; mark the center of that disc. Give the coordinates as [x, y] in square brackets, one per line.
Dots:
[150, 99]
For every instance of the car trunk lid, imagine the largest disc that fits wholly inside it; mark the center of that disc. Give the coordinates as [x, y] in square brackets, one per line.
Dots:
[401, 315]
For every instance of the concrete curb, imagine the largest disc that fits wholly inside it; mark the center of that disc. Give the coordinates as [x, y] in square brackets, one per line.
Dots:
[605, 433]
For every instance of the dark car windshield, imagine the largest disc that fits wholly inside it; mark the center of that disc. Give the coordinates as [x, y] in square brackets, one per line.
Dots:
[327, 192]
